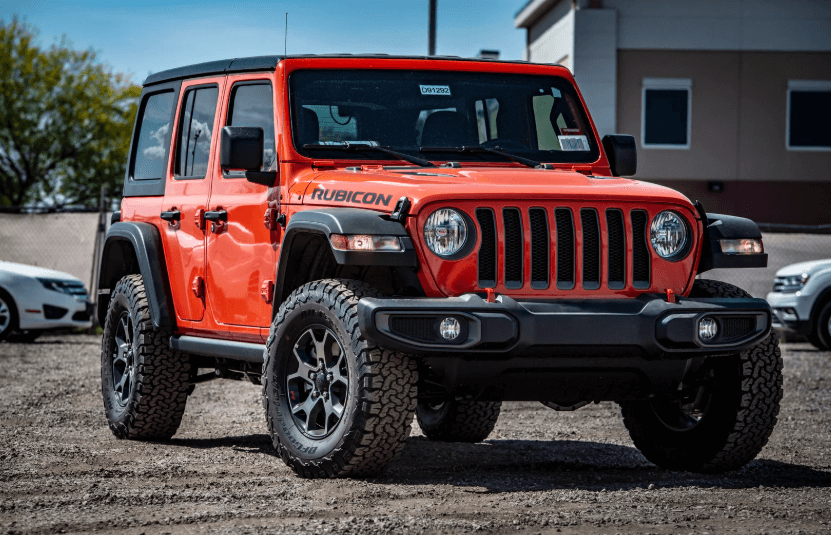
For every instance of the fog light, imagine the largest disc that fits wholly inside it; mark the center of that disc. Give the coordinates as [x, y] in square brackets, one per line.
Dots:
[450, 329]
[707, 329]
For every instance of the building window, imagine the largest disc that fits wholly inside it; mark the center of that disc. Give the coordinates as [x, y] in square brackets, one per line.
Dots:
[809, 115]
[665, 119]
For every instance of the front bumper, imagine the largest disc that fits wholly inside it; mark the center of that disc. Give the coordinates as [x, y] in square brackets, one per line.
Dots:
[791, 312]
[647, 326]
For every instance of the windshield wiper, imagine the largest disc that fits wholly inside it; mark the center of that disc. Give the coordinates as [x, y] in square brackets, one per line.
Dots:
[367, 146]
[480, 149]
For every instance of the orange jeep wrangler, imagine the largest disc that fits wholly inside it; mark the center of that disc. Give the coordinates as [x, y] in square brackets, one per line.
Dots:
[373, 237]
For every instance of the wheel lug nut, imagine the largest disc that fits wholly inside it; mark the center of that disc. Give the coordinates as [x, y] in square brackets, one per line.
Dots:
[326, 395]
[329, 377]
[313, 376]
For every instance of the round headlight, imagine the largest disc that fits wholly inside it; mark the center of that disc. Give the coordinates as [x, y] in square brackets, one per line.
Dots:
[445, 232]
[668, 234]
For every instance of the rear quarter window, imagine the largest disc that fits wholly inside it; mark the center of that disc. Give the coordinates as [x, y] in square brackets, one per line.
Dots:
[154, 131]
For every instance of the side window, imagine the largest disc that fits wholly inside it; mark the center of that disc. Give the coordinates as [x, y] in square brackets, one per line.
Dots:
[195, 132]
[150, 154]
[665, 123]
[253, 105]
[809, 115]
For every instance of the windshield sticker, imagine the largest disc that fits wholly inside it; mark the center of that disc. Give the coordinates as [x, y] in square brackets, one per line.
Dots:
[355, 197]
[570, 143]
[571, 131]
[435, 90]
[556, 92]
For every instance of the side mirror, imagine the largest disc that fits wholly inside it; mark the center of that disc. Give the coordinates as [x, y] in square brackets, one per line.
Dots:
[242, 148]
[622, 154]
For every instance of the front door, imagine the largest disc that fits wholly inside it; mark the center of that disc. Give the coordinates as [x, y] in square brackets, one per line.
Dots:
[241, 250]
[186, 194]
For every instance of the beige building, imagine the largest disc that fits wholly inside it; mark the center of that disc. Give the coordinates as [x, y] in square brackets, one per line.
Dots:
[729, 100]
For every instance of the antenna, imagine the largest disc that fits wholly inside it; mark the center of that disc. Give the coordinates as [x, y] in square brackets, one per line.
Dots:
[286, 40]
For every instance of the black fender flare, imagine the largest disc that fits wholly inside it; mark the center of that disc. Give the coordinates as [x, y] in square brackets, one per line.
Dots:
[727, 227]
[147, 259]
[330, 221]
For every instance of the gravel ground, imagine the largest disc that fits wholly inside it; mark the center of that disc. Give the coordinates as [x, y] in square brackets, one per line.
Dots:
[61, 470]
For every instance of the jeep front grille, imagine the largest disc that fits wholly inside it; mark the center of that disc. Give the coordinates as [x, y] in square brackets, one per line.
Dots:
[536, 245]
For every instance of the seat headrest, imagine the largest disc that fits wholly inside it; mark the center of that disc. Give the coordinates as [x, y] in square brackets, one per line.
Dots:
[447, 129]
[309, 126]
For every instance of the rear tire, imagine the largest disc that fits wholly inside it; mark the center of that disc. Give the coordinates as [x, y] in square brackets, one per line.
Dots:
[458, 420]
[143, 381]
[731, 416]
[336, 405]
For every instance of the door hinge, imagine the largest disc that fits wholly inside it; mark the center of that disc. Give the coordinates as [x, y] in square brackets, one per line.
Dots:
[267, 291]
[272, 218]
[198, 286]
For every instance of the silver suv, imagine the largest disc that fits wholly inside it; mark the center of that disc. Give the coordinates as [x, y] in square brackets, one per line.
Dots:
[801, 301]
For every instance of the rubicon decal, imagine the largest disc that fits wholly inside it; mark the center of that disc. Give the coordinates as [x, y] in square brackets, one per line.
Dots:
[355, 197]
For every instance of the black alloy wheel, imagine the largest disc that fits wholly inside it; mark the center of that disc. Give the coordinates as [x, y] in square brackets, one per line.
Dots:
[318, 382]
[686, 413]
[122, 355]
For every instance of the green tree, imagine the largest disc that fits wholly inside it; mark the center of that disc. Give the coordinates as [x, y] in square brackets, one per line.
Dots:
[65, 122]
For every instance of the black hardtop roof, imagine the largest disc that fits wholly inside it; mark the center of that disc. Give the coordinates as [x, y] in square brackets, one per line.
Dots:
[267, 63]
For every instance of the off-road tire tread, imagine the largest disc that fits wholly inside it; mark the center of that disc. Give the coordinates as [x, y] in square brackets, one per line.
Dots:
[761, 393]
[386, 389]
[162, 376]
[465, 421]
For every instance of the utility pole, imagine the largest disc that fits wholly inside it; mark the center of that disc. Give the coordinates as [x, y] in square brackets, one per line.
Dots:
[431, 46]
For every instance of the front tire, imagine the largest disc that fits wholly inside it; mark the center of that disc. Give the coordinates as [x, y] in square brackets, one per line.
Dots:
[458, 420]
[726, 421]
[8, 315]
[143, 381]
[336, 405]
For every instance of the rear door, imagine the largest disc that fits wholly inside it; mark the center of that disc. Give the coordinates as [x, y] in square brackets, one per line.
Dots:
[187, 191]
[241, 251]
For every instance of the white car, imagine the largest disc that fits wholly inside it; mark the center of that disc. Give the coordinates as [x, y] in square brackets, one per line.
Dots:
[34, 299]
[801, 301]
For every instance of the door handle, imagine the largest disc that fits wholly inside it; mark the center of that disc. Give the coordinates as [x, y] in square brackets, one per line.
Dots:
[218, 215]
[171, 216]
[217, 219]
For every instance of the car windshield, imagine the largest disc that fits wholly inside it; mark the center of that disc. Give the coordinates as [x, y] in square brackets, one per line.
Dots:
[431, 113]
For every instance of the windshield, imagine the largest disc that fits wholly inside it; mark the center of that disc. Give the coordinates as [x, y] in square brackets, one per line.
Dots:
[536, 117]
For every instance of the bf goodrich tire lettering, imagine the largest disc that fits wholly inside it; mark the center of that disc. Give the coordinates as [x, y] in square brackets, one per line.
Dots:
[378, 406]
[144, 383]
[741, 402]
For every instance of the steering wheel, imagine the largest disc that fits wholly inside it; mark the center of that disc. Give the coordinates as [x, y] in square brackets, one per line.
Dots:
[505, 144]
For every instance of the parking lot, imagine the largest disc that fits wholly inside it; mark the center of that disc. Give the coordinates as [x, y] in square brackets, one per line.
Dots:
[61, 470]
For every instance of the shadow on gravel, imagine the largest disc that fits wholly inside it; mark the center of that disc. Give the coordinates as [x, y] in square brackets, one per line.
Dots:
[247, 444]
[521, 465]
[525, 465]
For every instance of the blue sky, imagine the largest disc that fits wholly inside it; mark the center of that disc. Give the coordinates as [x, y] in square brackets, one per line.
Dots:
[150, 36]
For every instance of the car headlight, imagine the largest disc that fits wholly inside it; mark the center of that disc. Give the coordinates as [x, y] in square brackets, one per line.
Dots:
[791, 283]
[64, 287]
[445, 232]
[668, 234]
